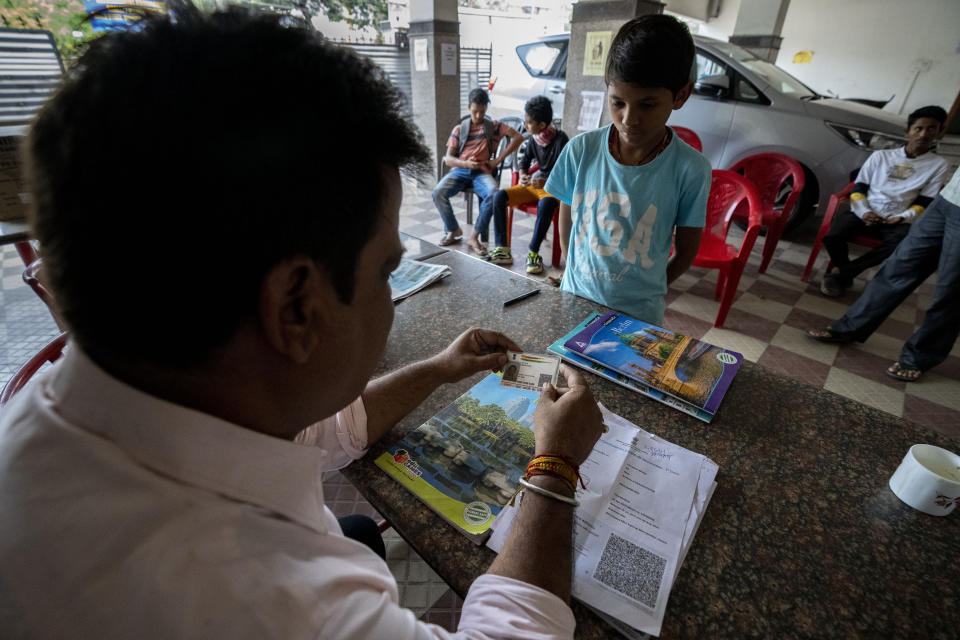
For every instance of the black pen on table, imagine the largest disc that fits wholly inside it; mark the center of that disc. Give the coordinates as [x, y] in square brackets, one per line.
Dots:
[521, 297]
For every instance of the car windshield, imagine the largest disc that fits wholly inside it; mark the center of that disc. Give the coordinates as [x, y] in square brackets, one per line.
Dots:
[770, 73]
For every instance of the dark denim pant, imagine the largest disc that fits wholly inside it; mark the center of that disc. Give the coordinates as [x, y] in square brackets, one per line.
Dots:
[846, 226]
[933, 244]
[483, 184]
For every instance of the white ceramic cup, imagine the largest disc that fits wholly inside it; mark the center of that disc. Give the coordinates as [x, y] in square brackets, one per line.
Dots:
[928, 479]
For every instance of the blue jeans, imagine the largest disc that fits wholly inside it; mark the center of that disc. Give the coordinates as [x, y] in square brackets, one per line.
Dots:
[933, 244]
[456, 181]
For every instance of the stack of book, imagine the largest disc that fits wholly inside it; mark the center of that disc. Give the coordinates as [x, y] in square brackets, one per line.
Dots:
[677, 370]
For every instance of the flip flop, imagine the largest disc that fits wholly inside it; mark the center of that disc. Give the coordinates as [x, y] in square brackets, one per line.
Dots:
[829, 335]
[904, 372]
[477, 246]
[451, 237]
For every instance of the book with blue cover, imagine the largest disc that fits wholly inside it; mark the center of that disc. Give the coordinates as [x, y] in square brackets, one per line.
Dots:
[667, 366]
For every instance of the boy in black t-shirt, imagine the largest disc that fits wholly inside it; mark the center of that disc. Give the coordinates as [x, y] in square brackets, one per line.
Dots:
[543, 147]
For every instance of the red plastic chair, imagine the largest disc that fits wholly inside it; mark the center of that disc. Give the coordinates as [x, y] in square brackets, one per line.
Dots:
[532, 209]
[688, 136]
[31, 276]
[770, 173]
[730, 195]
[49, 353]
[835, 200]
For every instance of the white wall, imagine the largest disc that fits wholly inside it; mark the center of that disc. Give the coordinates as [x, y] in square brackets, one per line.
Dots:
[875, 48]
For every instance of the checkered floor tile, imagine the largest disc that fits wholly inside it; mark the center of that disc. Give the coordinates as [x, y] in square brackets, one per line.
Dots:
[765, 323]
[768, 318]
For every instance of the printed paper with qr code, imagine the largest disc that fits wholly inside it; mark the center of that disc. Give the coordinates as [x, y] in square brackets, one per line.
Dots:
[636, 520]
[529, 371]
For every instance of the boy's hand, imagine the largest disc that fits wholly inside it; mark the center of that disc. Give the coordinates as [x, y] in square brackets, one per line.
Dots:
[893, 220]
[473, 165]
[567, 421]
[537, 183]
[524, 179]
[472, 351]
[871, 218]
[492, 164]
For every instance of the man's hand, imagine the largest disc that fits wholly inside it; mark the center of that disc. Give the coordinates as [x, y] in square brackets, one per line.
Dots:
[870, 218]
[567, 421]
[473, 165]
[474, 350]
[893, 220]
[492, 164]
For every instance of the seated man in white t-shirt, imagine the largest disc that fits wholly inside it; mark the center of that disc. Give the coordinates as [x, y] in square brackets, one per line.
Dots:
[892, 188]
[163, 479]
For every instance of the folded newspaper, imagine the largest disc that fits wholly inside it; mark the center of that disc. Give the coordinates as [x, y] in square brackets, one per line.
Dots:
[642, 505]
[412, 275]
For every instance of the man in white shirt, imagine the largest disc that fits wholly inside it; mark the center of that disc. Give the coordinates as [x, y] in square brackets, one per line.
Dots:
[224, 287]
[892, 188]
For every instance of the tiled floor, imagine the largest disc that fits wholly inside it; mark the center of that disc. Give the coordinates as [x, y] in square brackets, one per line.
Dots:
[766, 324]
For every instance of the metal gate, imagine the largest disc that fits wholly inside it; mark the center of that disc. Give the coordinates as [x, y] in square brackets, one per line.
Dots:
[474, 67]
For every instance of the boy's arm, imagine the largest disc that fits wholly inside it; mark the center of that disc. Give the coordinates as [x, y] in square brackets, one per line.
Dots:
[686, 243]
[453, 161]
[566, 223]
[515, 140]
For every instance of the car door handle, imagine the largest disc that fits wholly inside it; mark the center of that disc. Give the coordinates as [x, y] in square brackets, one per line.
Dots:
[556, 89]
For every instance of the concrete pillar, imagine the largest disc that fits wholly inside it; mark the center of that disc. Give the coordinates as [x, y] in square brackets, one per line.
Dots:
[434, 37]
[591, 17]
[758, 27]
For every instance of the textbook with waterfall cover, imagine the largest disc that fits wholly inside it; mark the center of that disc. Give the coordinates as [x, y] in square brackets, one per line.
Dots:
[676, 366]
[465, 461]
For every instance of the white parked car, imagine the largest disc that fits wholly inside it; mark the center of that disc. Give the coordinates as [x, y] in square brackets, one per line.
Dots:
[741, 105]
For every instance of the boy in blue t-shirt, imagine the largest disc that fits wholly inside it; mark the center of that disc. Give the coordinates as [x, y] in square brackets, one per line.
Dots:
[628, 188]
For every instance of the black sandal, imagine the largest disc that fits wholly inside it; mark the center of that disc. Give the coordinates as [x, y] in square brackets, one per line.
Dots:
[899, 368]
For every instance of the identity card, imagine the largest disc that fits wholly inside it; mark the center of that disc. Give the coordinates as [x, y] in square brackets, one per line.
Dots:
[529, 371]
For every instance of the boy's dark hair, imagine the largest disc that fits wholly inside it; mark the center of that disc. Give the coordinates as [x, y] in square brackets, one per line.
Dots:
[479, 96]
[539, 108]
[932, 111]
[651, 51]
[180, 160]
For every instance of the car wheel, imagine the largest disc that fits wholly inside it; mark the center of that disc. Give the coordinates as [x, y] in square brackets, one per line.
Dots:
[808, 201]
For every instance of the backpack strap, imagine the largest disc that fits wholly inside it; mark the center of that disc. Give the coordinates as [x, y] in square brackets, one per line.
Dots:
[488, 133]
[464, 133]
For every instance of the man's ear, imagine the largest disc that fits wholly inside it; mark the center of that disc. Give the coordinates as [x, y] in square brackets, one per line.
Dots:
[682, 95]
[294, 297]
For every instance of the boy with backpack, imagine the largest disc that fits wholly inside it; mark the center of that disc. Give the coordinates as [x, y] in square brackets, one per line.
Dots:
[543, 148]
[628, 188]
[470, 150]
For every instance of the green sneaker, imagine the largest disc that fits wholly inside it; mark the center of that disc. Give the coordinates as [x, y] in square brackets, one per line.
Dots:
[500, 255]
[534, 262]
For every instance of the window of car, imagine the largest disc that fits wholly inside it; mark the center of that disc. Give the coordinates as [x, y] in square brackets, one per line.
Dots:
[743, 89]
[773, 75]
[540, 58]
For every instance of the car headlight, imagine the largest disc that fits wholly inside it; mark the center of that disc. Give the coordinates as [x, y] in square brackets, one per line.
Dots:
[867, 138]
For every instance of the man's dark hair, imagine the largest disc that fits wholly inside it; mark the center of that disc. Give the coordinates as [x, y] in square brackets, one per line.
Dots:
[479, 96]
[180, 160]
[539, 109]
[932, 111]
[652, 51]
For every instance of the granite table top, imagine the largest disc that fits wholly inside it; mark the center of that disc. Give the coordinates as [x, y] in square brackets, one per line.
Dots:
[802, 538]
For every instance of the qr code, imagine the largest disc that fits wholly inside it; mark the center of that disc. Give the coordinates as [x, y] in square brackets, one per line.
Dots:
[631, 570]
